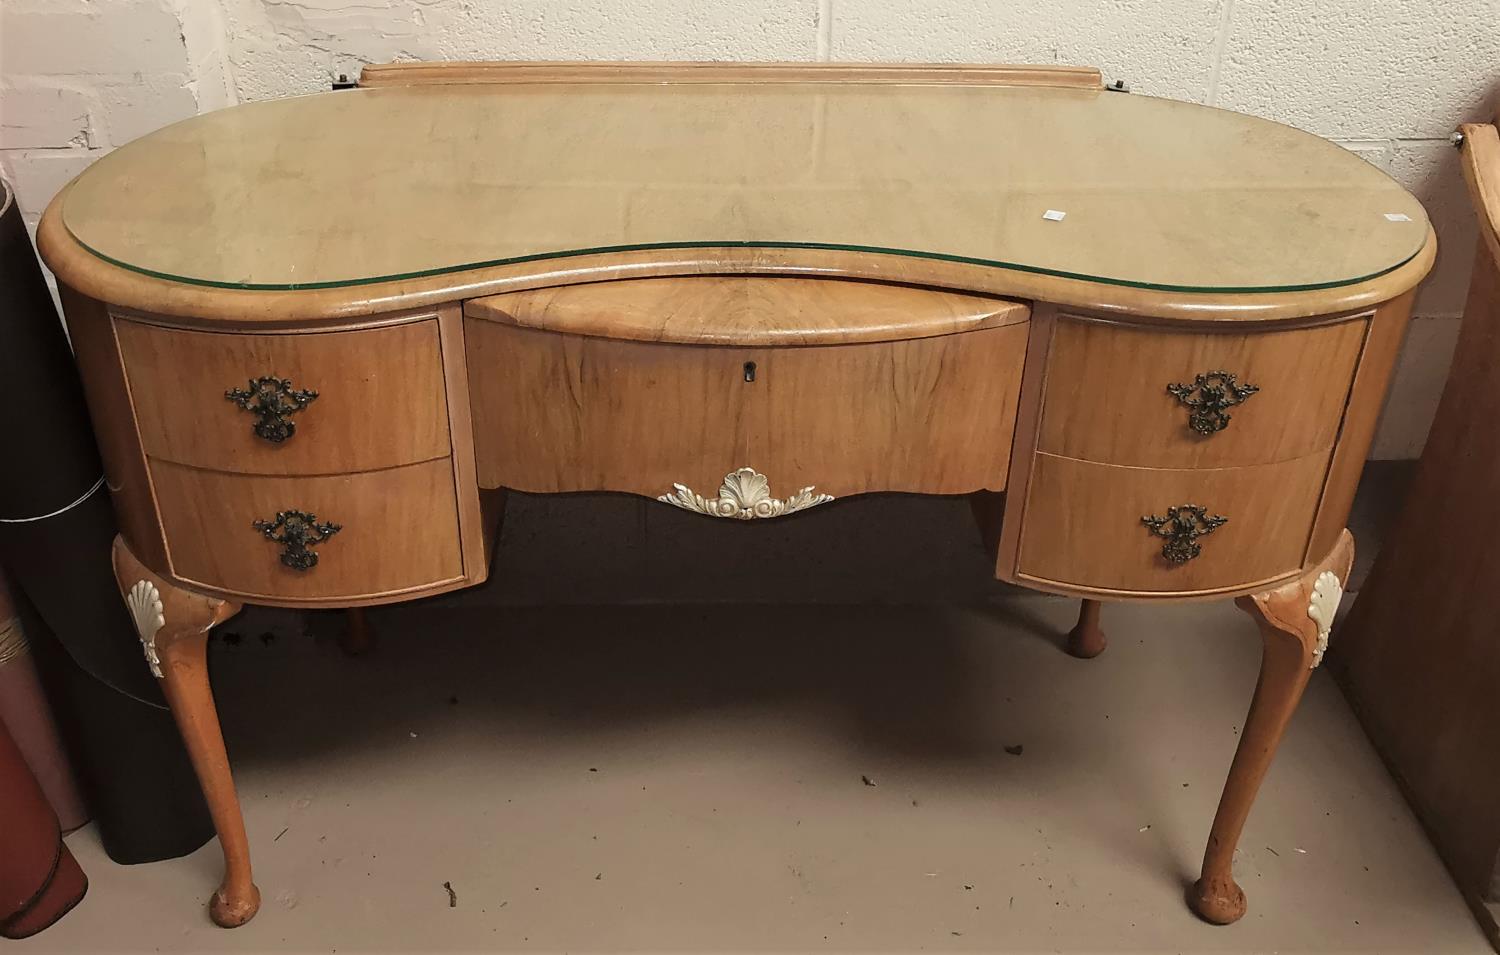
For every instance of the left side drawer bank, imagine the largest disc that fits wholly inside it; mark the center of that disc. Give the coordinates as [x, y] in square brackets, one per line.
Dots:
[298, 468]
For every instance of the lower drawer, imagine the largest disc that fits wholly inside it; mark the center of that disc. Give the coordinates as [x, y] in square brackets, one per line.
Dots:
[1084, 526]
[397, 530]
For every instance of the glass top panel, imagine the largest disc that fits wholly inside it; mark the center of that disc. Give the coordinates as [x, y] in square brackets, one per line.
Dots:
[354, 187]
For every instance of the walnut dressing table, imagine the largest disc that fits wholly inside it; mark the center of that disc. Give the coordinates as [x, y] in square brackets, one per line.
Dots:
[322, 336]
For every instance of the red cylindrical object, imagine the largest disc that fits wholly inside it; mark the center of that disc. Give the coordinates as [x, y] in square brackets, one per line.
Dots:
[24, 711]
[40, 881]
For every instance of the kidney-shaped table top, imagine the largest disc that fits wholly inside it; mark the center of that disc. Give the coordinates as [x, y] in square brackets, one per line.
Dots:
[364, 186]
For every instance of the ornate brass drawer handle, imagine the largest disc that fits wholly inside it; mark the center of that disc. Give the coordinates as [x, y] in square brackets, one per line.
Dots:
[1209, 397]
[272, 400]
[297, 531]
[1182, 527]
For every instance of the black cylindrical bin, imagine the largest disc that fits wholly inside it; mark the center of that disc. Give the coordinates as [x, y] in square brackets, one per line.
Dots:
[55, 532]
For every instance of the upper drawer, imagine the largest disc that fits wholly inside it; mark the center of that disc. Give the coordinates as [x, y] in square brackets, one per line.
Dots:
[379, 398]
[747, 310]
[1109, 393]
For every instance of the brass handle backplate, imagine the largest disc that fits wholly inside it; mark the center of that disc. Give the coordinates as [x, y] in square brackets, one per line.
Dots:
[273, 401]
[1182, 527]
[297, 531]
[1208, 399]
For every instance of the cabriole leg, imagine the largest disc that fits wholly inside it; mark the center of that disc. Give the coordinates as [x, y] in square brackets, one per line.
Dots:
[1294, 622]
[1086, 640]
[173, 625]
[356, 640]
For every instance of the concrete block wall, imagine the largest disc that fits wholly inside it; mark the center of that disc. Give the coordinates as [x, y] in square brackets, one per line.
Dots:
[1389, 79]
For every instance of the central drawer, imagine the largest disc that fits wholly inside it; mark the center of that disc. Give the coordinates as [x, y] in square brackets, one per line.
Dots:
[641, 385]
[555, 412]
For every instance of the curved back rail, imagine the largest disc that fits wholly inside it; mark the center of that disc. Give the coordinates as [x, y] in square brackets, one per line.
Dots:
[909, 74]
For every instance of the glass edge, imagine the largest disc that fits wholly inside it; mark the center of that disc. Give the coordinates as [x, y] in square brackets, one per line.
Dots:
[667, 246]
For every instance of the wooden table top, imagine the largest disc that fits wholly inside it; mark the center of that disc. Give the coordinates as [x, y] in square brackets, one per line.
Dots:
[364, 186]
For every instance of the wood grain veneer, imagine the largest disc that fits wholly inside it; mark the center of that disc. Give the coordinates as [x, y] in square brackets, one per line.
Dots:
[1083, 524]
[573, 413]
[380, 397]
[1377, 362]
[475, 525]
[1107, 399]
[105, 387]
[747, 310]
[1008, 513]
[399, 531]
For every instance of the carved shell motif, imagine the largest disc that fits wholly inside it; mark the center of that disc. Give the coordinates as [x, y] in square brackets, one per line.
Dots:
[745, 495]
[1326, 595]
[144, 602]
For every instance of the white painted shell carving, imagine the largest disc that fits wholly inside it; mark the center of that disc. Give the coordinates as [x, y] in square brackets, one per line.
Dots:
[745, 495]
[1326, 595]
[144, 601]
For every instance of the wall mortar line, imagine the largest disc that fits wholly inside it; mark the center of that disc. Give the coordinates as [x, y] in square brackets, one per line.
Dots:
[1221, 41]
[825, 30]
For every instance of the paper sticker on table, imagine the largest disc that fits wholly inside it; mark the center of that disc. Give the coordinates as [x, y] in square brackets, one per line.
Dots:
[1053, 215]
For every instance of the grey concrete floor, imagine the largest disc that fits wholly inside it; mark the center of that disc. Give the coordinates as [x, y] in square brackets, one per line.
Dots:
[598, 778]
[621, 769]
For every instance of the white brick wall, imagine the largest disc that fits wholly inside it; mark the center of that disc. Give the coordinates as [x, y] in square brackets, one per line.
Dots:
[78, 77]
[1388, 78]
